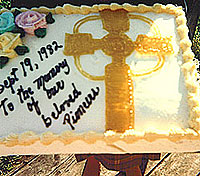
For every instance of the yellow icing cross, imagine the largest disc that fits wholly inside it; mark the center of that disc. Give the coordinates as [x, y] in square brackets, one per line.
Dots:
[118, 75]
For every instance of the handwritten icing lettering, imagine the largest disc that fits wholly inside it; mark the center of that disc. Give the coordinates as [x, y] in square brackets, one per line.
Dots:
[34, 105]
[10, 81]
[24, 94]
[53, 72]
[55, 89]
[71, 99]
[42, 51]
[59, 110]
[28, 95]
[4, 106]
[26, 63]
[56, 45]
[90, 98]
[70, 118]
[1, 88]
[13, 73]
[11, 106]
[47, 121]
[51, 48]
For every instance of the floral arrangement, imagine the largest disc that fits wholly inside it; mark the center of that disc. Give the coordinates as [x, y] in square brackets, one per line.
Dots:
[14, 26]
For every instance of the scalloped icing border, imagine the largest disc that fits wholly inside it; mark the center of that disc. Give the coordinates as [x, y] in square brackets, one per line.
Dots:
[188, 68]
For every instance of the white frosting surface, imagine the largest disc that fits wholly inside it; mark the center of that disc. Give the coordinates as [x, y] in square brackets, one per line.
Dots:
[160, 99]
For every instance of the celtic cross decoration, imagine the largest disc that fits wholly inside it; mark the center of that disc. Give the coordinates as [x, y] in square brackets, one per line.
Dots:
[118, 75]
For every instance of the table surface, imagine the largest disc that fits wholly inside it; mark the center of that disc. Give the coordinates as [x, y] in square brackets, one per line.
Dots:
[180, 164]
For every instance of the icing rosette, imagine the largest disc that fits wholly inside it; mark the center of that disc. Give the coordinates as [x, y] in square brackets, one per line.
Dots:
[6, 22]
[10, 47]
[31, 21]
[8, 42]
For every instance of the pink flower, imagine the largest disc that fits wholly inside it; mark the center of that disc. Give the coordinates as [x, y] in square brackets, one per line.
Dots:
[30, 21]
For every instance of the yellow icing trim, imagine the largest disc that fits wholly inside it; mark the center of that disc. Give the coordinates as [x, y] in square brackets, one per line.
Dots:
[189, 71]
[11, 140]
[27, 138]
[129, 137]
[141, 8]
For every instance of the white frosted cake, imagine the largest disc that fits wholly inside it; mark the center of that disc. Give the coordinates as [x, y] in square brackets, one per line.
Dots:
[106, 72]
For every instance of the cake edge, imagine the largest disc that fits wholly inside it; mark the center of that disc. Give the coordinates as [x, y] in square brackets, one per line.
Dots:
[188, 69]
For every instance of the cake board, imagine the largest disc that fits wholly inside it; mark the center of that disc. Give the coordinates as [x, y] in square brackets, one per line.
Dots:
[29, 142]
